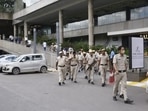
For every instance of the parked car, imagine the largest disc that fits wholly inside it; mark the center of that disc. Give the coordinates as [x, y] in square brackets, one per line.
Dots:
[26, 63]
[5, 59]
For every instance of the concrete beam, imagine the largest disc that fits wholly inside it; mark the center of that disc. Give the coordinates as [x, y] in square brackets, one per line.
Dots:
[5, 16]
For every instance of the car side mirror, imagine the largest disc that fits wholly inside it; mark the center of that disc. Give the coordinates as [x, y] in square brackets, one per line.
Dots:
[23, 60]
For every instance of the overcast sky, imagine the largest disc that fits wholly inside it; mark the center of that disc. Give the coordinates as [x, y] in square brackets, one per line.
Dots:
[30, 2]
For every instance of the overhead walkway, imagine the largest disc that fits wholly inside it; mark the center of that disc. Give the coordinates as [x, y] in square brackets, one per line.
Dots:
[14, 48]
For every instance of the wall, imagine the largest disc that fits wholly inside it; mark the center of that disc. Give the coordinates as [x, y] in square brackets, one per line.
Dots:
[107, 41]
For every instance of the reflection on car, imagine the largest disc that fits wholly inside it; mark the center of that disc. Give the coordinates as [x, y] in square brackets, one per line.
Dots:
[6, 59]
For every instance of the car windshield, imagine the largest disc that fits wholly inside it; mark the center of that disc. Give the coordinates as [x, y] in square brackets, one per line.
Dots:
[16, 59]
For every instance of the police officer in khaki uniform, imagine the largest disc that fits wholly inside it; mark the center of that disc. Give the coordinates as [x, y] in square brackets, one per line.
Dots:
[60, 66]
[67, 66]
[84, 64]
[90, 66]
[74, 67]
[103, 65]
[120, 66]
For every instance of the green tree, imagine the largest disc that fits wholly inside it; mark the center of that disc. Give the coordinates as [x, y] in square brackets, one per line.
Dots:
[7, 5]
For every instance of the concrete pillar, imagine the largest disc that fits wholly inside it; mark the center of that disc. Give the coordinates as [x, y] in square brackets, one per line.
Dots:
[19, 30]
[61, 29]
[25, 29]
[14, 30]
[90, 23]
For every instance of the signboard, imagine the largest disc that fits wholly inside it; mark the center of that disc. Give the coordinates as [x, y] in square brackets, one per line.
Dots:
[136, 52]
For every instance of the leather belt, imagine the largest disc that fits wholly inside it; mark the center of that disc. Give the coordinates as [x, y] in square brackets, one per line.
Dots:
[61, 66]
[121, 71]
[74, 65]
[103, 64]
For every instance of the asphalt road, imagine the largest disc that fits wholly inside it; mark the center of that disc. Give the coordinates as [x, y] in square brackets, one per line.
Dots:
[40, 92]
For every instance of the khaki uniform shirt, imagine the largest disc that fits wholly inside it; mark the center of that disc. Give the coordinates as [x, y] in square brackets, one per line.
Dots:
[74, 61]
[61, 61]
[90, 59]
[85, 60]
[103, 59]
[120, 61]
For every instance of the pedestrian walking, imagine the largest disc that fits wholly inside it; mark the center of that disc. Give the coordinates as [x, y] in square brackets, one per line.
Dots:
[103, 65]
[60, 66]
[44, 46]
[120, 66]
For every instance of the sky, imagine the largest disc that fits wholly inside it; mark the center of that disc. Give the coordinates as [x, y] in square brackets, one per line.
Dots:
[30, 2]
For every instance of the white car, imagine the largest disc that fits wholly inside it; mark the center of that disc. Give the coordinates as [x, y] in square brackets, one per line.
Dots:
[26, 63]
[5, 59]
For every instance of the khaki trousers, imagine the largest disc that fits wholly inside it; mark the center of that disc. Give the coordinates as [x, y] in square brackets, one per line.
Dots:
[74, 72]
[121, 77]
[103, 70]
[84, 67]
[67, 68]
[91, 74]
[61, 71]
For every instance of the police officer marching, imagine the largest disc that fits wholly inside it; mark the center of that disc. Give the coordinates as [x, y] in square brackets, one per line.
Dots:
[120, 66]
[60, 66]
[74, 67]
[90, 66]
[84, 64]
[103, 65]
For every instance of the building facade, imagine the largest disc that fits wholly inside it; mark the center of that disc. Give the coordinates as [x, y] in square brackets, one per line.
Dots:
[104, 22]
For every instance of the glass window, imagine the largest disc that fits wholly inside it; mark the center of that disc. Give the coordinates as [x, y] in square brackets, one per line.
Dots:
[37, 57]
[138, 13]
[112, 18]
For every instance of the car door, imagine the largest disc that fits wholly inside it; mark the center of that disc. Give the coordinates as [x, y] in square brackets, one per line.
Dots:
[36, 61]
[25, 64]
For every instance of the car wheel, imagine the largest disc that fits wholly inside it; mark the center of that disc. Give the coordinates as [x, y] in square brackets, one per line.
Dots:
[16, 71]
[43, 69]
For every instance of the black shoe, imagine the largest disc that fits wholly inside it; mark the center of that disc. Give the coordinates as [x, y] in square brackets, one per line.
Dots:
[99, 73]
[71, 79]
[121, 96]
[88, 81]
[63, 82]
[103, 84]
[59, 84]
[86, 77]
[66, 74]
[128, 101]
[114, 98]
[75, 82]
[92, 83]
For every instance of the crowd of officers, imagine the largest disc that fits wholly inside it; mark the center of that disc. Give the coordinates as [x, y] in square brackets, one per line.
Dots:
[70, 63]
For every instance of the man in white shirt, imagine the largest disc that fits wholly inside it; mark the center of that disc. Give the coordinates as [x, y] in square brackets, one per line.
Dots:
[44, 45]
